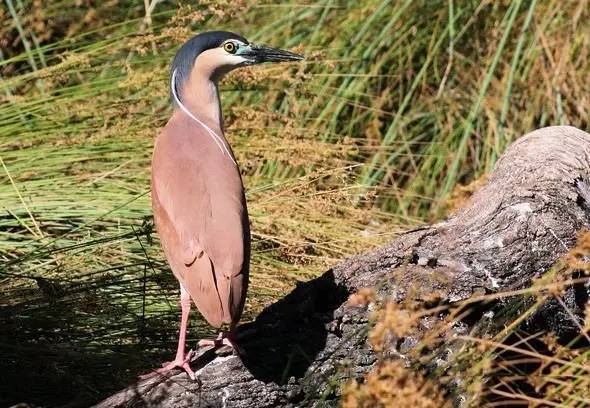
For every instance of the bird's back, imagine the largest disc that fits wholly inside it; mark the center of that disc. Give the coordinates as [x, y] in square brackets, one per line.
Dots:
[201, 216]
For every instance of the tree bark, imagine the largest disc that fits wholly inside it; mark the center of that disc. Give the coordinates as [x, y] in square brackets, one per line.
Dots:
[512, 230]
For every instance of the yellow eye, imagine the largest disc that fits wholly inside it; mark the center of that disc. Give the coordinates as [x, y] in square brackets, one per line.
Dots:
[230, 47]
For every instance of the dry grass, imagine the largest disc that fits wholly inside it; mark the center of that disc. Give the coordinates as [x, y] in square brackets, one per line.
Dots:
[390, 384]
[499, 362]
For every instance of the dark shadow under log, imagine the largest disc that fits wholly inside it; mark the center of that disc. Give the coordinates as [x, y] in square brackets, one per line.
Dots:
[513, 230]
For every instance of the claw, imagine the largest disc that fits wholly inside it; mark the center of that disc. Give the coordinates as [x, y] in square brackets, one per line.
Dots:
[183, 364]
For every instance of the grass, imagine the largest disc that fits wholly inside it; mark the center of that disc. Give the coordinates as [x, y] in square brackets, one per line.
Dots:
[397, 103]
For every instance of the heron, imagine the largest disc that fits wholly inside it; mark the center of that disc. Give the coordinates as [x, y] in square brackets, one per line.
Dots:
[198, 198]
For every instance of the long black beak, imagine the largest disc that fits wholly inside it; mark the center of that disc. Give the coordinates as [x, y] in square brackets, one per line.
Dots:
[259, 54]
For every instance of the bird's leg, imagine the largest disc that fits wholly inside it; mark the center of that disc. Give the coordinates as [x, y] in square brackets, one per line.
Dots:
[182, 360]
[224, 338]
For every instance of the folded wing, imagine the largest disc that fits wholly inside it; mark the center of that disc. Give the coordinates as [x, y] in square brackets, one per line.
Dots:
[201, 217]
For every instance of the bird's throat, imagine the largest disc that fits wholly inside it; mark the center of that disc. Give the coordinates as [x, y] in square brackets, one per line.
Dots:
[207, 106]
[201, 97]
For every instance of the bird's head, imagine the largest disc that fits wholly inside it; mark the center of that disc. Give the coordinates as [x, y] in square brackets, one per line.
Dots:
[215, 53]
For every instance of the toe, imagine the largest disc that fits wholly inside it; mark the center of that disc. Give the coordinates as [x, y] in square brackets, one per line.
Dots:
[188, 356]
[186, 367]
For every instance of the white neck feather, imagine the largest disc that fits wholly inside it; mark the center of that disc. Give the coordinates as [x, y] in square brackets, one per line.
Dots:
[216, 138]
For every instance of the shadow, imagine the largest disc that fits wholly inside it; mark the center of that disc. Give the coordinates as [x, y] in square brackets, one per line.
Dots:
[79, 346]
[553, 317]
[287, 336]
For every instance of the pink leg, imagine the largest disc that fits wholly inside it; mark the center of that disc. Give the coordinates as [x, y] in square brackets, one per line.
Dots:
[182, 360]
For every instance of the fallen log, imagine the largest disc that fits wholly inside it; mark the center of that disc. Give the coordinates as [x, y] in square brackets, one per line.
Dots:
[513, 230]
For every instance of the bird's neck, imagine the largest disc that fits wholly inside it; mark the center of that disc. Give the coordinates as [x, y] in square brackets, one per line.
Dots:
[201, 97]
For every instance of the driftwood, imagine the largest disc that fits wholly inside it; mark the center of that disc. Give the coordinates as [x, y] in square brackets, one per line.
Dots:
[513, 230]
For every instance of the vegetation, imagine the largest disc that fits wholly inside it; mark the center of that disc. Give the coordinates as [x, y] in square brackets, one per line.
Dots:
[398, 104]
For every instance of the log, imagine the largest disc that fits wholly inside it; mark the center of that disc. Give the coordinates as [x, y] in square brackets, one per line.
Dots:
[513, 230]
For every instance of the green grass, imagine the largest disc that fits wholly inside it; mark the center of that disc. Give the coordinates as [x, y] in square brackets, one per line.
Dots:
[396, 104]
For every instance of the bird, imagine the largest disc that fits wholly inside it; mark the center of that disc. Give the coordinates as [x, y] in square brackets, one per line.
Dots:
[198, 198]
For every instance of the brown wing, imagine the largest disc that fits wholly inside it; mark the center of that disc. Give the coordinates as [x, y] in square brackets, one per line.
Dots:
[197, 277]
[201, 216]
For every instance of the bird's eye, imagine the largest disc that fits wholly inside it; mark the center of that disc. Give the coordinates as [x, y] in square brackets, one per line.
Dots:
[230, 47]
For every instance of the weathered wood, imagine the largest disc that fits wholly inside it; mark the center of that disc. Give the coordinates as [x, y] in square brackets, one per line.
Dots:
[512, 230]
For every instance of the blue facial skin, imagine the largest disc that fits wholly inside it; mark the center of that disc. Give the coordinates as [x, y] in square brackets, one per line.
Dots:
[245, 51]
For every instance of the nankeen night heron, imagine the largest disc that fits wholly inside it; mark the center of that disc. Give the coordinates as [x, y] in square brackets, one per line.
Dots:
[197, 192]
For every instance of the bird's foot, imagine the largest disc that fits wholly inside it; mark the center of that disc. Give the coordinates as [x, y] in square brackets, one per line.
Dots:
[223, 339]
[183, 364]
